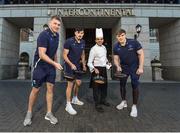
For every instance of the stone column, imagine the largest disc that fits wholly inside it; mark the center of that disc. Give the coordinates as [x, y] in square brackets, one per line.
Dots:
[9, 49]
[38, 27]
[129, 24]
[62, 37]
[169, 40]
[115, 30]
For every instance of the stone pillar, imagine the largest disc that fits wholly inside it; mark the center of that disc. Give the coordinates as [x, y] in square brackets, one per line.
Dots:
[115, 30]
[129, 24]
[62, 37]
[9, 49]
[169, 40]
[23, 70]
[38, 27]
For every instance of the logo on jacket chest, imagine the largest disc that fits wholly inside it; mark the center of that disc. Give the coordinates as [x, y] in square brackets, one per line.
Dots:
[130, 48]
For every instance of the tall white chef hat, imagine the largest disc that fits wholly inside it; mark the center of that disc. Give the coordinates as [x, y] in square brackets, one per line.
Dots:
[99, 33]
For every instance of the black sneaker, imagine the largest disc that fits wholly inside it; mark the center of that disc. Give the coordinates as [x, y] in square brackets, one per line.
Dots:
[99, 109]
[105, 103]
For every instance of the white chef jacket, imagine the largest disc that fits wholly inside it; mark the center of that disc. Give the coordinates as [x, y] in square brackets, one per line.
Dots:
[97, 57]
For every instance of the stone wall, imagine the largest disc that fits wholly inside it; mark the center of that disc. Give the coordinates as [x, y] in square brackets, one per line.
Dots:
[170, 50]
[9, 49]
[129, 24]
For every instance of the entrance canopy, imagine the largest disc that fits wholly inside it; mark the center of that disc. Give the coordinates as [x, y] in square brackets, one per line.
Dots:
[89, 22]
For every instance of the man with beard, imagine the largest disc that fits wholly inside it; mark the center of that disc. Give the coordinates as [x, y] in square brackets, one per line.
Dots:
[74, 52]
[97, 64]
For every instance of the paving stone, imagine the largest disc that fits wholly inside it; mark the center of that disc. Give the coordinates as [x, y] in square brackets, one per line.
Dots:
[158, 107]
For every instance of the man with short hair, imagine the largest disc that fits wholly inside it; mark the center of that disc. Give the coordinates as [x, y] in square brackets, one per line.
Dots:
[129, 59]
[97, 64]
[74, 52]
[45, 65]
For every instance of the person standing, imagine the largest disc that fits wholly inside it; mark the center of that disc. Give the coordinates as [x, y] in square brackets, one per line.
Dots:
[45, 65]
[97, 63]
[129, 59]
[74, 52]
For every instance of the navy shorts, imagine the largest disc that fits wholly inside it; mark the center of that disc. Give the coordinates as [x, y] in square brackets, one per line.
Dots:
[43, 74]
[70, 73]
[132, 73]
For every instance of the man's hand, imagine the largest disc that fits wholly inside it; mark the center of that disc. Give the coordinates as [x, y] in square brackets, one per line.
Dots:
[73, 67]
[108, 65]
[58, 66]
[96, 71]
[119, 69]
[84, 68]
[139, 71]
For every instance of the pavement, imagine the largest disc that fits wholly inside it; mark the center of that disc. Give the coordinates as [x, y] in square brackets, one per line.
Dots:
[158, 109]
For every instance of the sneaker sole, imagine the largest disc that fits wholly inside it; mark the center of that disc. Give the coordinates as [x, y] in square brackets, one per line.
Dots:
[121, 108]
[125, 106]
[133, 116]
[46, 118]
[77, 104]
[71, 113]
[28, 124]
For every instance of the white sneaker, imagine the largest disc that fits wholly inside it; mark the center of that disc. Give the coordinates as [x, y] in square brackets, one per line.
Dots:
[122, 105]
[133, 111]
[70, 109]
[50, 117]
[77, 101]
[27, 120]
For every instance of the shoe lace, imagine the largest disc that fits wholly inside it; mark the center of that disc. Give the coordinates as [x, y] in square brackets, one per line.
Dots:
[51, 116]
[28, 116]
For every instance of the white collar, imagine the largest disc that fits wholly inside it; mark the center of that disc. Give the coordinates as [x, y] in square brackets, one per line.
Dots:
[99, 45]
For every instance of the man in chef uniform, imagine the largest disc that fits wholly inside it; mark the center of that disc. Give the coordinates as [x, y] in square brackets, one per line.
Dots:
[97, 64]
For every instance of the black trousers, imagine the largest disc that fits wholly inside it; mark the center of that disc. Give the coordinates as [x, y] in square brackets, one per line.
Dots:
[99, 90]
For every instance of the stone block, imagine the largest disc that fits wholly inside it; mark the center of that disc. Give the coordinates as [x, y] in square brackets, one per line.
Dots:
[127, 21]
[40, 21]
[138, 12]
[149, 13]
[33, 12]
[18, 13]
[176, 13]
[164, 13]
[5, 13]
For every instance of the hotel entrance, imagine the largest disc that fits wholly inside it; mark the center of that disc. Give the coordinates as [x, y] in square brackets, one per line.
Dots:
[89, 37]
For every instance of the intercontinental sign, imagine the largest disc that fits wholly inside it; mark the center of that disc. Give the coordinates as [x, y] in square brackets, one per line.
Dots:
[91, 12]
